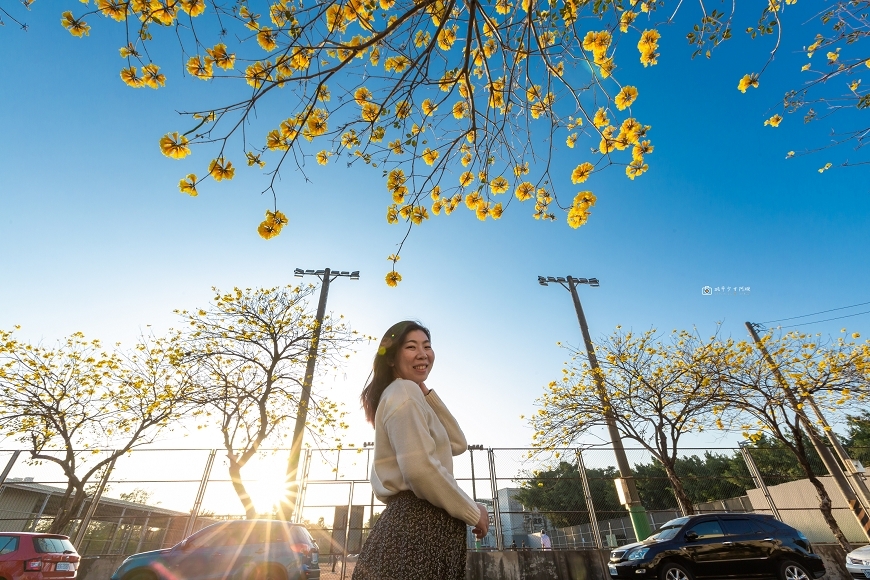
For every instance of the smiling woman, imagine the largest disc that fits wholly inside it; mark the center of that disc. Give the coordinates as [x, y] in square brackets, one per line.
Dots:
[421, 533]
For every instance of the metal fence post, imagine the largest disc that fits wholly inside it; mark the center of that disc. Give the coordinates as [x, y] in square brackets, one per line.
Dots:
[41, 511]
[299, 504]
[496, 509]
[590, 506]
[165, 532]
[143, 531]
[95, 502]
[194, 512]
[756, 476]
[8, 467]
[115, 531]
[346, 532]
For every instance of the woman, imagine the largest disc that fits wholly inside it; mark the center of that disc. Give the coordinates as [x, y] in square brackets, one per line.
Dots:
[421, 533]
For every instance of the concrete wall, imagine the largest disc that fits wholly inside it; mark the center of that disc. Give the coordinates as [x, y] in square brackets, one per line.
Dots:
[538, 565]
[515, 565]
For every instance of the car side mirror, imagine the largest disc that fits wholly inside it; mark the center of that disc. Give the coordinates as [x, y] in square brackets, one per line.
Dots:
[691, 536]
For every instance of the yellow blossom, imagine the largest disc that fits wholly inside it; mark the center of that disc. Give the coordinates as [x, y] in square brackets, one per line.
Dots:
[267, 38]
[152, 76]
[323, 157]
[403, 109]
[221, 57]
[774, 121]
[393, 278]
[201, 69]
[626, 19]
[473, 199]
[635, 168]
[254, 160]
[747, 81]
[582, 172]
[428, 107]
[600, 119]
[626, 97]
[76, 27]
[188, 185]
[370, 112]
[174, 146]
[115, 9]
[524, 191]
[220, 170]
[129, 76]
[499, 185]
[429, 156]
[419, 214]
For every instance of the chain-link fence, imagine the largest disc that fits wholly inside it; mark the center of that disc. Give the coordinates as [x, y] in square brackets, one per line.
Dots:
[152, 498]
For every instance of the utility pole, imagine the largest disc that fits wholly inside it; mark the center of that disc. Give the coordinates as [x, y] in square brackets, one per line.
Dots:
[625, 484]
[326, 276]
[854, 469]
[825, 454]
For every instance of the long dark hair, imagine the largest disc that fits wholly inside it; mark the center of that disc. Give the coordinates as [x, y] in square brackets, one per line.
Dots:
[382, 369]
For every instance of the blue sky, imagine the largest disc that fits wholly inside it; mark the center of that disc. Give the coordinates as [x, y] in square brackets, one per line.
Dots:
[97, 237]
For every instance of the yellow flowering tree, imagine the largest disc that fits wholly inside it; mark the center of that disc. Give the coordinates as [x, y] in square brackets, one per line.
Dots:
[471, 100]
[829, 371]
[249, 349]
[658, 391]
[78, 406]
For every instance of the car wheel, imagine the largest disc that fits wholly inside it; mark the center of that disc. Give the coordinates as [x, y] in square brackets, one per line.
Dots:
[265, 573]
[141, 575]
[790, 570]
[674, 571]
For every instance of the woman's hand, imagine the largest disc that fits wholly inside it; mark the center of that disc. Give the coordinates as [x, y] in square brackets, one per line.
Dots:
[482, 527]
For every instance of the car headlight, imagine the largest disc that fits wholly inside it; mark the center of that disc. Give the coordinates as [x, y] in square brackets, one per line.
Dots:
[638, 554]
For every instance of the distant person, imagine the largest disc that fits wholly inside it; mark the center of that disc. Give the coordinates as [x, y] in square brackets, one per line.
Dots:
[514, 545]
[546, 544]
[524, 545]
[421, 533]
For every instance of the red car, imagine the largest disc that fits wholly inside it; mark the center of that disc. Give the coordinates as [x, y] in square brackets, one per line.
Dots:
[29, 556]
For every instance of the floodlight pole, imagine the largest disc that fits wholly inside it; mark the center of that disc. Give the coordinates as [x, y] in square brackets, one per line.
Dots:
[326, 276]
[625, 484]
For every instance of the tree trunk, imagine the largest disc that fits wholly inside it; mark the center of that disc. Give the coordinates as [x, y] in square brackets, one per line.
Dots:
[825, 505]
[239, 486]
[679, 491]
[73, 499]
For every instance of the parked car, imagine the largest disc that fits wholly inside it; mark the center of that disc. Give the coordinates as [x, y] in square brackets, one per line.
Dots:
[31, 556]
[719, 546]
[234, 550]
[858, 562]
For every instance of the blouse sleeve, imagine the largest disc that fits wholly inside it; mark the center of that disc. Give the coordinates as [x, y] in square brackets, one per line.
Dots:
[458, 443]
[424, 474]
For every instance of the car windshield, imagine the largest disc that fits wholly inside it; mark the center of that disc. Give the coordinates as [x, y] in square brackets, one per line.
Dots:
[669, 530]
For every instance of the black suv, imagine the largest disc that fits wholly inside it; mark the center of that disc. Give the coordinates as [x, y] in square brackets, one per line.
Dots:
[719, 546]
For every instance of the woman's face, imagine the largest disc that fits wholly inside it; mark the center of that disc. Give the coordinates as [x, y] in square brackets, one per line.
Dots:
[415, 357]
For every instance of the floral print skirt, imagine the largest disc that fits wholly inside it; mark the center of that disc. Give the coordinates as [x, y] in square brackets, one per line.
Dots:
[413, 540]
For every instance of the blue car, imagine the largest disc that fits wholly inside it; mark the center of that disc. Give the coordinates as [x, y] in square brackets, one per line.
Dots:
[234, 550]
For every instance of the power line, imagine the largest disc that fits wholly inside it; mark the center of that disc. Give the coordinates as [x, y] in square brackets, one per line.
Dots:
[815, 313]
[826, 319]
